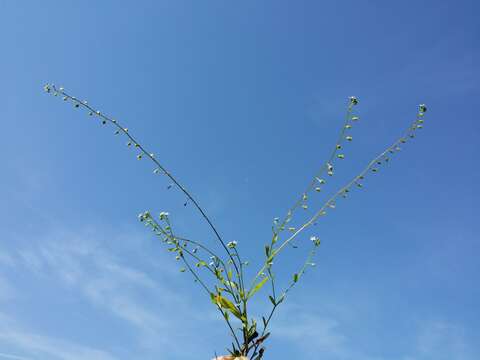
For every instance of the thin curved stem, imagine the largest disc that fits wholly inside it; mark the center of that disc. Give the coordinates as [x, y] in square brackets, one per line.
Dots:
[157, 163]
[345, 189]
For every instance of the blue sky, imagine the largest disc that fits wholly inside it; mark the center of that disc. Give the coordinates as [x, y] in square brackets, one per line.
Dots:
[242, 101]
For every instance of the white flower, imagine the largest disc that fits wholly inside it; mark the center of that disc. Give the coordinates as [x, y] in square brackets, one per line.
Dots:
[232, 244]
[163, 215]
[353, 100]
[315, 240]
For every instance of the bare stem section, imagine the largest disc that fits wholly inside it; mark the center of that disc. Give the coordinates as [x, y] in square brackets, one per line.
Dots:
[223, 278]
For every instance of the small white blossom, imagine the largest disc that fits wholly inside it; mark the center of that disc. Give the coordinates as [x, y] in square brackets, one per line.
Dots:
[163, 215]
[353, 100]
[232, 244]
[315, 240]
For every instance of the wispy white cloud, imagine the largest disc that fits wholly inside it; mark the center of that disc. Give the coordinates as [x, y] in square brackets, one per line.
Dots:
[38, 347]
[41, 347]
[82, 264]
[150, 310]
[318, 336]
[7, 291]
[311, 333]
[6, 259]
[443, 340]
[12, 356]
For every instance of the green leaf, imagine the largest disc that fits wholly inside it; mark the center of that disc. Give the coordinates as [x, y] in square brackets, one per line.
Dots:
[272, 300]
[257, 287]
[295, 278]
[275, 238]
[226, 304]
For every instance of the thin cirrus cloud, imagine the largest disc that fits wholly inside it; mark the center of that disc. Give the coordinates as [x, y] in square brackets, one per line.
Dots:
[153, 313]
[80, 264]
